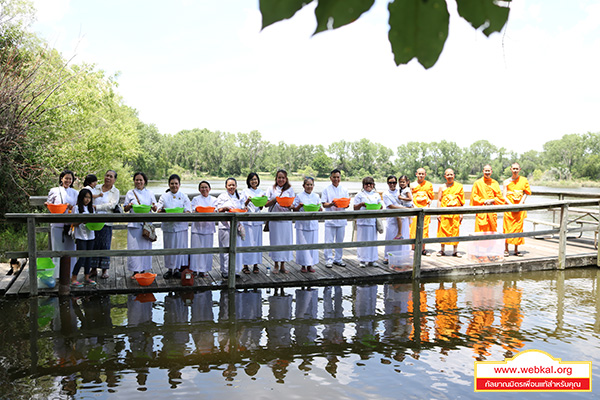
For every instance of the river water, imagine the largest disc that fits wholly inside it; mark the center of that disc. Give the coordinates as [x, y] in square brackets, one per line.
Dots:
[354, 342]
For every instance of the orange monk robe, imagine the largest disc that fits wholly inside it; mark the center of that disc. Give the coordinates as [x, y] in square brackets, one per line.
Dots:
[513, 221]
[511, 319]
[422, 196]
[446, 320]
[449, 225]
[486, 189]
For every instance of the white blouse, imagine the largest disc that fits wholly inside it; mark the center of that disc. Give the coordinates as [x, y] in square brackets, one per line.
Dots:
[204, 227]
[249, 193]
[231, 201]
[171, 200]
[81, 231]
[279, 192]
[305, 198]
[60, 195]
[371, 197]
[146, 197]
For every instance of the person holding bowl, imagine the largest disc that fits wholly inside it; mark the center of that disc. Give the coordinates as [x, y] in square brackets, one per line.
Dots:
[366, 228]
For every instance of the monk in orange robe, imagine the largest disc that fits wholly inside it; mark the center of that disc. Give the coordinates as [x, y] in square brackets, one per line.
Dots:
[451, 194]
[486, 192]
[422, 192]
[516, 190]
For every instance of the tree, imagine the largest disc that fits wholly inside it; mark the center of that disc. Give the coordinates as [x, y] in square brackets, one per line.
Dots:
[479, 154]
[418, 28]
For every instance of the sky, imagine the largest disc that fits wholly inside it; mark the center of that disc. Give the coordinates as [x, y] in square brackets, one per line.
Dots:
[186, 64]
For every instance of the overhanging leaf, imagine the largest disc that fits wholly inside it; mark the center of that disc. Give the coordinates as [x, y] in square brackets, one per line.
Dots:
[482, 12]
[340, 12]
[277, 10]
[418, 29]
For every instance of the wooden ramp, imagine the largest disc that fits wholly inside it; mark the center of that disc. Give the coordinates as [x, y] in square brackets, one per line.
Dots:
[538, 254]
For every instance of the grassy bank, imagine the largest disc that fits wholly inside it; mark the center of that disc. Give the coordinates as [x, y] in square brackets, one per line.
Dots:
[14, 238]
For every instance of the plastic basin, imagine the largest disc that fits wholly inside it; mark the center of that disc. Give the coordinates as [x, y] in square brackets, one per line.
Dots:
[145, 279]
[342, 202]
[237, 210]
[174, 210]
[311, 207]
[285, 201]
[57, 208]
[94, 226]
[201, 209]
[141, 208]
[45, 268]
[372, 206]
[259, 201]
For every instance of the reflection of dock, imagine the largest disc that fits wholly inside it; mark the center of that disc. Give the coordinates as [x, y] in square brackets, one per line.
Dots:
[537, 255]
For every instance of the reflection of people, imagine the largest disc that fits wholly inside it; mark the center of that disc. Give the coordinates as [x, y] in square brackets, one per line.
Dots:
[486, 192]
[423, 320]
[135, 241]
[306, 308]
[516, 190]
[396, 298]
[511, 319]
[366, 228]
[175, 234]
[176, 336]
[333, 331]
[365, 303]
[451, 194]
[202, 311]
[141, 341]
[334, 228]
[307, 232]
[422, 192]
[483, 298]
[251, 310]
[446, 317]
[279, 330]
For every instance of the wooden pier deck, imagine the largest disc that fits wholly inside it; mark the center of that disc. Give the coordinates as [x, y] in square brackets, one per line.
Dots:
[538, 254]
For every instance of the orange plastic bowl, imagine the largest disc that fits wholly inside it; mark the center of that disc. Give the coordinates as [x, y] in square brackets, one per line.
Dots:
[145, 279]
[237, 210]
[342, 202]
[285, 201]
[57, 208]
[205, 209]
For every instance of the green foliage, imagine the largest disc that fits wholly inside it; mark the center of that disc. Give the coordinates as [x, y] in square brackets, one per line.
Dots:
[418, 28]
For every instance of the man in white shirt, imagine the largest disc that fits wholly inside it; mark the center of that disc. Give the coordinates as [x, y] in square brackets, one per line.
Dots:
[334, 229]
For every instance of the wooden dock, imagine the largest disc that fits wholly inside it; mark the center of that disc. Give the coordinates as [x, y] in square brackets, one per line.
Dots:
[538, 254]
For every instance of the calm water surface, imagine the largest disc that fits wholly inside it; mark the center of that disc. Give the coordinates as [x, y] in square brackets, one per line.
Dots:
[382, 342]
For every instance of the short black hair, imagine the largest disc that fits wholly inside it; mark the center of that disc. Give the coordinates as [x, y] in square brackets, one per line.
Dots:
[250, 176]
[143, 176]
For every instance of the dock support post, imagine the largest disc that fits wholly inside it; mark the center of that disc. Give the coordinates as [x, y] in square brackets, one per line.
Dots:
[232, 252]
[32, 248]
[562, 240]
[597, 239]
[416, 312]
[416, 272]
[33, 333]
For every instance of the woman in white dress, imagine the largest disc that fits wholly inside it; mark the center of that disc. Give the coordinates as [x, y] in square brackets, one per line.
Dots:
[135, 240]
[391, 201]
[280, 232]
[202, 232]
[226, 201]
[254, 229]
[307, 232]
[175, 234]
[63, 194]
[366, 228]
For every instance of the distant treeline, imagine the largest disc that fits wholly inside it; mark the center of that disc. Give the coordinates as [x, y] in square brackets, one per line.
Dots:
[202, 152]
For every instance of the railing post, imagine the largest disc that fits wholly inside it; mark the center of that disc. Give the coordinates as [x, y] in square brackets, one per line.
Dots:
[597, 238]
[32, 249]
[416, 272]
[232, 251]
[562, 240]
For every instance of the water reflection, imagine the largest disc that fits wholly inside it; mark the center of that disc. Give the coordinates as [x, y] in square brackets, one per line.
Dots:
[155, 342]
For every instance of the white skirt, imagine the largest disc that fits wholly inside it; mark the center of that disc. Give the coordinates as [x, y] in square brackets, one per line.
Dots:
[201, 262]
[307, 257]
[366, 233]
[135, 241]
[281, 233]
[58, 245]
[254, 234]
[224, 257]
[390, 233]
[176, 240]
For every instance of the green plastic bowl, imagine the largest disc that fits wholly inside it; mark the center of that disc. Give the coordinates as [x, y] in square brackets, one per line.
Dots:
[45, 268]
[141, 208]
[174, 210]
[259, 201]
[94, 226]
[311, 207]
[372, 206]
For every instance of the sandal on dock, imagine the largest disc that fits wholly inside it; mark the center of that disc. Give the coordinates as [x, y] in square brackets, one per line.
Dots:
[440, 254]
[246, 270]
[455, 254]
[310, 269]
[255, 269]
[303, 269]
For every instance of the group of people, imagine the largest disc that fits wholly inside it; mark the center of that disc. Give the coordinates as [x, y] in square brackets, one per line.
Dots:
[401, 193]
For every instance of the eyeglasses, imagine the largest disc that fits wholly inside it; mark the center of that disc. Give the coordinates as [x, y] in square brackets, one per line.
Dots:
[392, 183]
